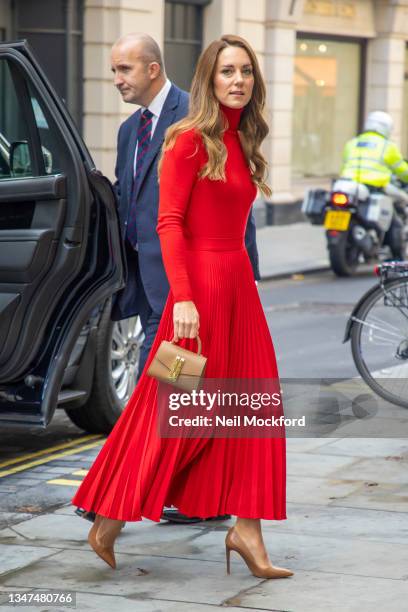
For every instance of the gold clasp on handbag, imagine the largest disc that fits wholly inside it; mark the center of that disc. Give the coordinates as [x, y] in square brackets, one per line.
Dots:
[176, 368]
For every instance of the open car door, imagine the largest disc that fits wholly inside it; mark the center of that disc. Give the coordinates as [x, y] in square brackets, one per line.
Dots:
[60, 248]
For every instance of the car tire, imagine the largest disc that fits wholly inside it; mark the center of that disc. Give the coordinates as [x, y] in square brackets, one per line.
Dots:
[105, 404]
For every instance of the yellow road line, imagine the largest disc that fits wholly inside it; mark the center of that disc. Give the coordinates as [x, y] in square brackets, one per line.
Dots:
[65, 482]
[50, 449]
[80, 473]
[73, 451]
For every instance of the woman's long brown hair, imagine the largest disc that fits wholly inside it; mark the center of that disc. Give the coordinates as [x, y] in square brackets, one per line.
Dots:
[204, 116]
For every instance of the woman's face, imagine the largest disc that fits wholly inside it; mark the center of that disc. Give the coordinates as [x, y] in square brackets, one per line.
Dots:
[234, 77]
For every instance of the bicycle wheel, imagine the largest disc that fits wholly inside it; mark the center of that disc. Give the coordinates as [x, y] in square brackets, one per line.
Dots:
[379, 341]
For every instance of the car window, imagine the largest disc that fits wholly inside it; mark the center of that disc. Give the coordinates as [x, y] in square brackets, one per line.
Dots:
[30, 144]
[49, 144]
[15, 155]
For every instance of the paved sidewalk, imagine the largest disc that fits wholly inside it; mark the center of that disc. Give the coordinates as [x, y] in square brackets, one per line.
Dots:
[345, 538]
[291, 249]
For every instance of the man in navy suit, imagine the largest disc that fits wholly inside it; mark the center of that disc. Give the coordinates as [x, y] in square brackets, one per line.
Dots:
[140, 77]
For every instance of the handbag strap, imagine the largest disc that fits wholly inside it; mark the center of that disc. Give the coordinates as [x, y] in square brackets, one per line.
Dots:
[198, 344]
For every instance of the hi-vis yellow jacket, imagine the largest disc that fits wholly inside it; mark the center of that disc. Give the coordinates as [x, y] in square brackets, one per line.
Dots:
[372, 159]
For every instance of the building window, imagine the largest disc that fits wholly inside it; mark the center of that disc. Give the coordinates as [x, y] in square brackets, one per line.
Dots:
[327, 104]
[54, 30]
[183, 39]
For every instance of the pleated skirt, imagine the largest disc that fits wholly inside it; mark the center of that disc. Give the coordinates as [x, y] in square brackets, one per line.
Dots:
[137, 471]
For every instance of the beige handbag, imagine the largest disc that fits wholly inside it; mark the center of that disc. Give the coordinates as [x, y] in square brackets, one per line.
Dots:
[178, 366]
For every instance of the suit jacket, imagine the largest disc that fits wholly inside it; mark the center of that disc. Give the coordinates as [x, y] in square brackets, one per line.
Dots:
[151, 268]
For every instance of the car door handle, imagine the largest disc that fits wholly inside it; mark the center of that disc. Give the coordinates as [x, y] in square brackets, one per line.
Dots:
[73, 236]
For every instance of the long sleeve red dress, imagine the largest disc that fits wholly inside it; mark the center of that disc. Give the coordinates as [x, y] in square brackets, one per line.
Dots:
[201, 226]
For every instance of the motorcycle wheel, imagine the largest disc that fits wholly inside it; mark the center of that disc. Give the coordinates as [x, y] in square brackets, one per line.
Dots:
[344, 255]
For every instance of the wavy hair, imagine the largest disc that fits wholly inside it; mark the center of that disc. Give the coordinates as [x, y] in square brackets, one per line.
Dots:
[205, 117]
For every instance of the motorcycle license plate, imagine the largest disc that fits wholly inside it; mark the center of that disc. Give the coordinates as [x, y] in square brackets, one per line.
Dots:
[337, 220]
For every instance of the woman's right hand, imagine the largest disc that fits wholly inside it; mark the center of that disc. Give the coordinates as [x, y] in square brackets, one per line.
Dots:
[186, 320]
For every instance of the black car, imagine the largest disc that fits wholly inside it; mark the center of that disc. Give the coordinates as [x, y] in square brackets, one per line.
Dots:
[61, 260]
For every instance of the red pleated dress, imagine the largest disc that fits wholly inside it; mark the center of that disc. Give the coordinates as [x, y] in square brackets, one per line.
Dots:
[201, 227]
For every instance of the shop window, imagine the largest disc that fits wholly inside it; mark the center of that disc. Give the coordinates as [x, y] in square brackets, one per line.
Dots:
[54, 30]
[327, 104]
[183, 39]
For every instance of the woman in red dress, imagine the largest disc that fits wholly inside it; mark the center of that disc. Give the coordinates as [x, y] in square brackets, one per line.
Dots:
[210, 171]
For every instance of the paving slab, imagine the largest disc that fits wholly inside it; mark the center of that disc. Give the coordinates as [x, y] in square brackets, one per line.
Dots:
[318, 491]
[375, 469]
[137, 576]
[94, 602]
[377, 427]
[10, 518]
[8, 488]
[365, 447]
[43, 498]
[380, 497]
[51, 529]
[70, 531]
[305, 464]
[302, 518]
[69, 510]
[299, 445]
[378, 525]
[323, 591]
[326, 552]
[306, 552]
[14, 557]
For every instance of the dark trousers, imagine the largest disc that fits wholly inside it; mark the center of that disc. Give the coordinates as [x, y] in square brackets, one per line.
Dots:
[148, 317]
[150, 322]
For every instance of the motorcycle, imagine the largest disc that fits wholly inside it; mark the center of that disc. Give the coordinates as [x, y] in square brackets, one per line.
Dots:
[360, 222]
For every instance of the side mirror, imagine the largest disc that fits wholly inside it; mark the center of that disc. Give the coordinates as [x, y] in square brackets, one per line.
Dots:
[19, 160]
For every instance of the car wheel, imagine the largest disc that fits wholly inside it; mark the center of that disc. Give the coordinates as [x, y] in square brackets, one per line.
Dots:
[116, 371]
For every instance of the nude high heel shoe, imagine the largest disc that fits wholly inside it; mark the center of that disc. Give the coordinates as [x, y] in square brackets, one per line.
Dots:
[234, 542]
[102, 536]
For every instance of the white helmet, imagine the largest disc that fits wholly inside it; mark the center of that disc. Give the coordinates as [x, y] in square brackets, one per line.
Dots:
[379, 122]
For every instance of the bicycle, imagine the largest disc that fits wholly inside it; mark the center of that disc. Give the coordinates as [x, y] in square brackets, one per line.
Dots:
[378, 329]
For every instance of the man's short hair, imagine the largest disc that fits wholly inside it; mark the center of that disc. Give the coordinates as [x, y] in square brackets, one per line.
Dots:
[150, 50]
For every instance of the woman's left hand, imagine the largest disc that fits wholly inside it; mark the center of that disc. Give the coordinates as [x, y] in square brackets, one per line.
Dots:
[186, 320]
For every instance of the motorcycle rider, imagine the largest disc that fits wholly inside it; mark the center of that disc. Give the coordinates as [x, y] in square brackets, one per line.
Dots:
[372, 158]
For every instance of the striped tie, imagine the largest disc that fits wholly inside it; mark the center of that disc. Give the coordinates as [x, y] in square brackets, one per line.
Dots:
[144, 135]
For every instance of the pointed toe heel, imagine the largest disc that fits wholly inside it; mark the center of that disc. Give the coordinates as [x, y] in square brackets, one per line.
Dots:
[102, 536]
[104, 552]
[234, 542]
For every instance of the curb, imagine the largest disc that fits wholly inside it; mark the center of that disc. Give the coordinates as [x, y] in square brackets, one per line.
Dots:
[283, 275]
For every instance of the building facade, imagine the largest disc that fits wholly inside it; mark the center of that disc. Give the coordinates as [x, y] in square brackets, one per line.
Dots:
[326, 64]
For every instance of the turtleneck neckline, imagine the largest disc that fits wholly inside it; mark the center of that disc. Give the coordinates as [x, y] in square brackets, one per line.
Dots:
[233, 116]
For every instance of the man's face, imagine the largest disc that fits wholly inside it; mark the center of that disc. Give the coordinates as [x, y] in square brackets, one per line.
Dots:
[131, 74]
